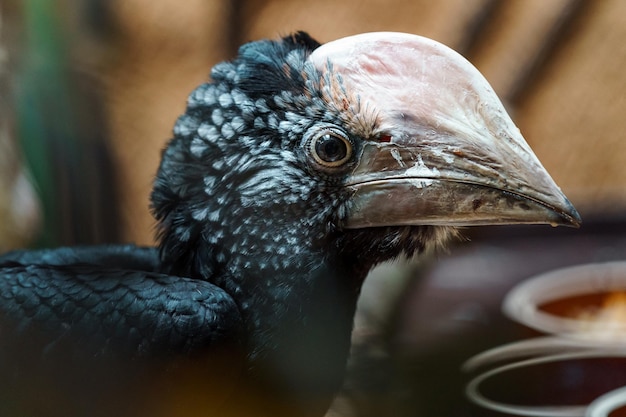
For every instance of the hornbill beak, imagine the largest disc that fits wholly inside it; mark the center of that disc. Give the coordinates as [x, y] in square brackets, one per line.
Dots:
[446, 151]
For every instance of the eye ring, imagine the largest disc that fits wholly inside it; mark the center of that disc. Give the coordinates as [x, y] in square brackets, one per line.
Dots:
[330, 148]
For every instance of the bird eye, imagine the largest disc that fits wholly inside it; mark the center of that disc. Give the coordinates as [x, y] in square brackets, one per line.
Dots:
[330, 148]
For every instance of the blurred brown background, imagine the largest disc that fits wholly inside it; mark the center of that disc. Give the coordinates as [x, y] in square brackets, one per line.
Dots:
[127, 67]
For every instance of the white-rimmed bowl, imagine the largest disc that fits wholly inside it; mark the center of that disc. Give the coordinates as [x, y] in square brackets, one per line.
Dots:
[584, 282]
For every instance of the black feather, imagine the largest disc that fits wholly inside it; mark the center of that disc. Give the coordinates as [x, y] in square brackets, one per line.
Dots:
[262, 66]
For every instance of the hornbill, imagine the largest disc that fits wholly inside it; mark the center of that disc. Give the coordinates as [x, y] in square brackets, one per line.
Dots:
[293, 172]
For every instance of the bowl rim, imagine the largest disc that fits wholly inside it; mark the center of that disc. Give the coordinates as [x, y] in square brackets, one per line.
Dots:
[522, 302]
[604, 405]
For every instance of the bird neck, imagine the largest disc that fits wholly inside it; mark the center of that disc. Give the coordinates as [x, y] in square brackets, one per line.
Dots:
[298, 314]
[295, 312]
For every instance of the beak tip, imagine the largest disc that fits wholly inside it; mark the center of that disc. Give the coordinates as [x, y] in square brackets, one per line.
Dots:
[565, 214]
[572, 218]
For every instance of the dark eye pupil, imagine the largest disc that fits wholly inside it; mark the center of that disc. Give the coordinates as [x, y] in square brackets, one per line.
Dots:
[331, 148]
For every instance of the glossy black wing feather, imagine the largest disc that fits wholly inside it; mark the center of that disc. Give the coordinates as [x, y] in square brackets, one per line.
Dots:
[115, 312]
[95, 326]
[127, 257]
[109, 299]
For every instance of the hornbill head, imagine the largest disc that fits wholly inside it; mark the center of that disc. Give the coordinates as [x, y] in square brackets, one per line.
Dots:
[375, 143]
